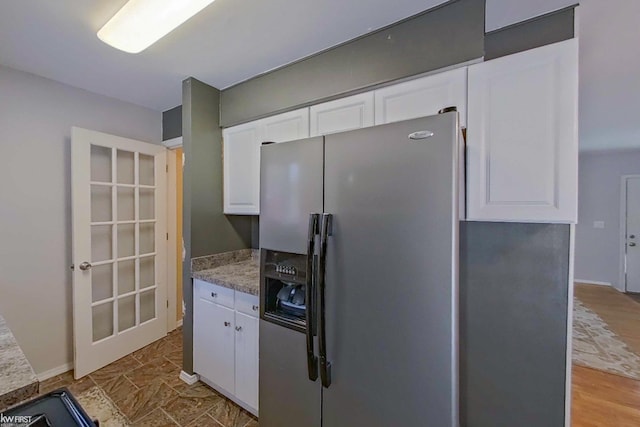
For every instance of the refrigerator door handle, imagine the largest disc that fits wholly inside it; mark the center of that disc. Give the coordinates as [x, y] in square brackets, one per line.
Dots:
[312, 360]
[325, 365]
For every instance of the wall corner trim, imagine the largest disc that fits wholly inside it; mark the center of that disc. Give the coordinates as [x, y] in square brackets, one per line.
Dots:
[188, 378]
[173, 142]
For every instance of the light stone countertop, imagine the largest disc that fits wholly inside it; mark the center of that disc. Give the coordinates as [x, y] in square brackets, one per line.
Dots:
[239, 270]
[18, 381]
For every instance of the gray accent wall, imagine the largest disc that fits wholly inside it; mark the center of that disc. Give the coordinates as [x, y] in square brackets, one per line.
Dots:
[543, 30]
[206, 229]
[449, 34]
[598, 249]
[172, 123]
[513, 323]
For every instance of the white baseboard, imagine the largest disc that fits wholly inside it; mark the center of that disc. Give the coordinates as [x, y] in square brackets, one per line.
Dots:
[55, 371]
[591, 282]
[189, 379]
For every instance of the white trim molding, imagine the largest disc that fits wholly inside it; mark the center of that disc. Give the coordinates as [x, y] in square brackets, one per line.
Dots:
[55, 371]
[188, 378]
[592, 282]
[173, 143]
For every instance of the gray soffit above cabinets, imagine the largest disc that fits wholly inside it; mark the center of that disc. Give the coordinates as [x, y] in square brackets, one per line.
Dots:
[448, 34]
[543, 30]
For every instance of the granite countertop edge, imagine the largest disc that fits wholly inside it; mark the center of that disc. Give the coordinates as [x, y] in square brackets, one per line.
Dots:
[238, 270]
[18, 380]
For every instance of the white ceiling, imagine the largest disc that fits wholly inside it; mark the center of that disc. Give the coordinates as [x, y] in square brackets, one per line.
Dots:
[233, 40]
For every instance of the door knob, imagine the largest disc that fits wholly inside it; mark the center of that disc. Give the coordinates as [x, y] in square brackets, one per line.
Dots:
[632, 244]
[85, 266]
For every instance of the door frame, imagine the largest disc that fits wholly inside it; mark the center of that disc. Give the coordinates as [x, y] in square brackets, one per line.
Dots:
[622, 268]
[172, 233]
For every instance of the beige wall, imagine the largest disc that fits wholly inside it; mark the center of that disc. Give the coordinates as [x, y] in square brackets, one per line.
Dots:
[36, 116]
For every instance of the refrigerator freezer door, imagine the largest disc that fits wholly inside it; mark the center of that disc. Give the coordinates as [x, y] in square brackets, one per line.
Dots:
[290, 190]
[287, 397]
[391, 275]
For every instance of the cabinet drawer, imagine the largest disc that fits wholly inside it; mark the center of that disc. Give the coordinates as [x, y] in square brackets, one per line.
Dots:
[247, 304]
[214, 293]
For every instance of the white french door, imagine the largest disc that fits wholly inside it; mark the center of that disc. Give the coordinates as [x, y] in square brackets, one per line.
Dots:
[119, 247]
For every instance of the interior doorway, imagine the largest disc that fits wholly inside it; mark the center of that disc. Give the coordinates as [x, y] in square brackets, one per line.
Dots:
[630, 233]
[175, 166]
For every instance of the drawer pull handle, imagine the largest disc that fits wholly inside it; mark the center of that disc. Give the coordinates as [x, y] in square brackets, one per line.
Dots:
[227, 323]
[254, 308]
[214, 295]
[238, 328]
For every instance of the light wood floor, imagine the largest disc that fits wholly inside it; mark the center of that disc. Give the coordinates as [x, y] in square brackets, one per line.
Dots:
[621, 312]
[601, 399]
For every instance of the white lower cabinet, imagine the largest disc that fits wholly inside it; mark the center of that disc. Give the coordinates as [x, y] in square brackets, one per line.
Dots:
[246, 372]
[225, 344]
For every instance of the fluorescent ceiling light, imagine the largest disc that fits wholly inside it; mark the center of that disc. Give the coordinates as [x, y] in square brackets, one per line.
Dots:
[141, 23]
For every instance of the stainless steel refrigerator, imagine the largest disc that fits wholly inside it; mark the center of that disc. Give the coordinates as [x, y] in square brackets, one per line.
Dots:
[359, 277]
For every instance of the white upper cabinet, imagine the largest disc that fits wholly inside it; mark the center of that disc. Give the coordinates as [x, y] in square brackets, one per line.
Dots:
[343, 114]
[286, 126]
[241, 150]
[522, 146]
[423, 97]
[241, 169]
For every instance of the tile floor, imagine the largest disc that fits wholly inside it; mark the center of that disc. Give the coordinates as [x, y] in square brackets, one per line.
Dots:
[146, 389]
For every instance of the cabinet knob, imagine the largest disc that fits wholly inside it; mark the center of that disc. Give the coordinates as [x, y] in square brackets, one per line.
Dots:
[255, 308]
[238, 328]
[214, 295]
[227, 323]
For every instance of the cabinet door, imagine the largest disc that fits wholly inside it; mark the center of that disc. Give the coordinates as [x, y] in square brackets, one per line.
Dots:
[213, 343]
[522, 147]
[247, 359]
[241, 165]
[343, 114]
[285, 127]
[423, 97]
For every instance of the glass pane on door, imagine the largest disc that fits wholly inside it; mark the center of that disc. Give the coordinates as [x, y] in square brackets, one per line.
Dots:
[126, 276]
[102, 321]
[147, 305]
[126, 312]
[101, 282]
[147, 238]
[126, 204]
[147, 203]
[147, 272]
[126, 240]
[100, 164]
[126, 167]
[146, 170]
[100, 203]
[101, 243]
